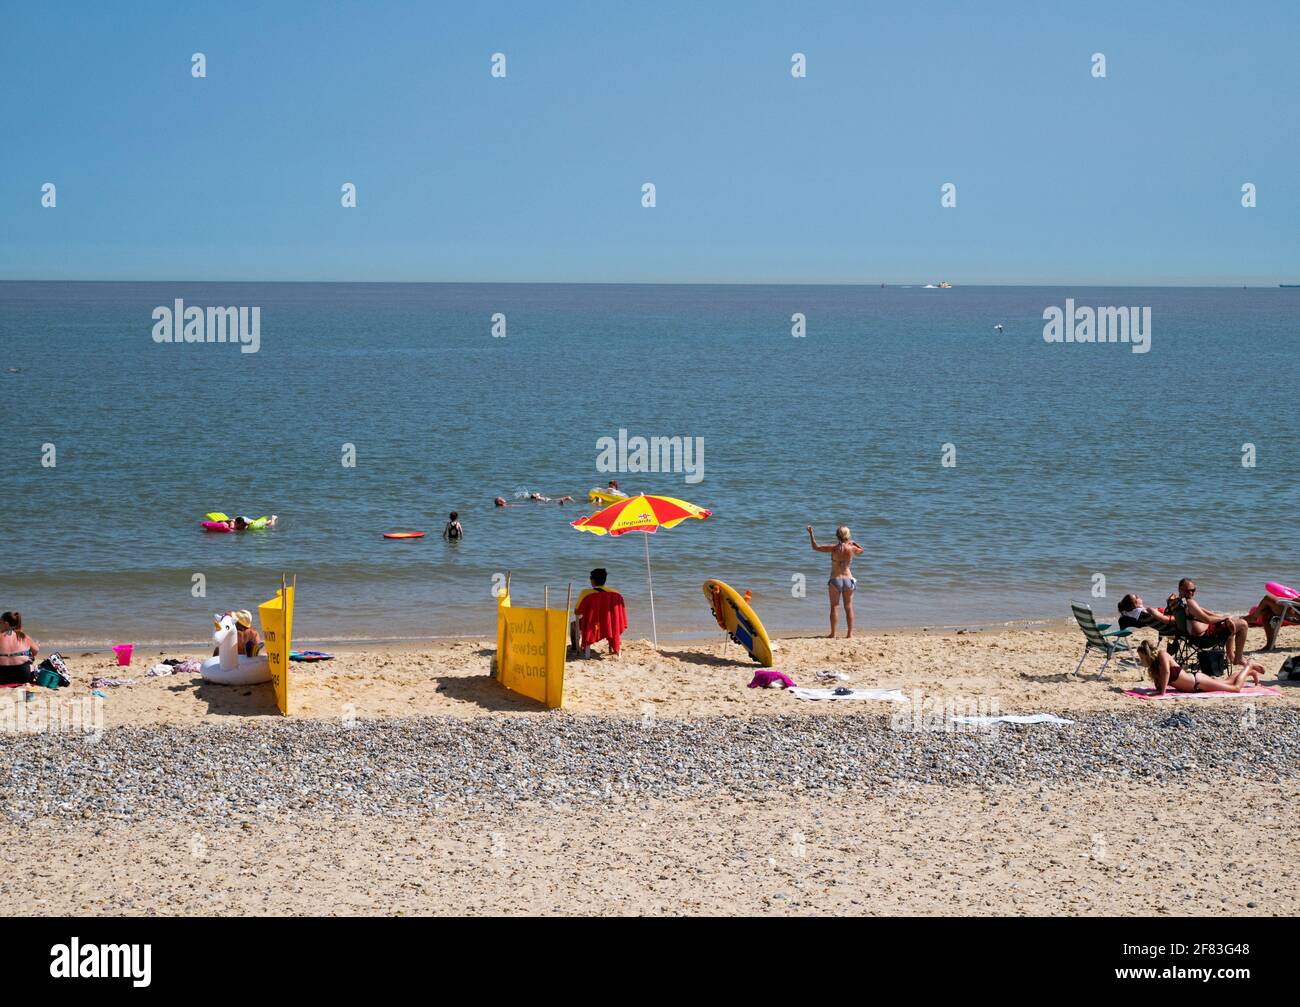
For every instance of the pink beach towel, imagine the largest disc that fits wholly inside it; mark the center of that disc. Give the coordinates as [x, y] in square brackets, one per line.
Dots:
[1254, 690]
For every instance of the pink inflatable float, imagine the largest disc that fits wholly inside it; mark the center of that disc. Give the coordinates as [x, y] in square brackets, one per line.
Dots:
[1281, 590]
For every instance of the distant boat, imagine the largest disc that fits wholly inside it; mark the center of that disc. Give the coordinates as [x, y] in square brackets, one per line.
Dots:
[1291, 285]
[942, 285]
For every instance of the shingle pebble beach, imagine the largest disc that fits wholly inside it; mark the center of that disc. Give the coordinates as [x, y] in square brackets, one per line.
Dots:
[410, 766]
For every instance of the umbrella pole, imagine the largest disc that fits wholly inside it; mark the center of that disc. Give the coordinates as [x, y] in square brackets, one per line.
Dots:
[654, 627]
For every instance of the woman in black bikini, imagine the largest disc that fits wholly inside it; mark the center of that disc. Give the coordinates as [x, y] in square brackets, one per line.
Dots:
[1167, 675]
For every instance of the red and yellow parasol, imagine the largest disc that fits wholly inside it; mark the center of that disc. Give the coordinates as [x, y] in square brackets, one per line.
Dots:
[646, 514]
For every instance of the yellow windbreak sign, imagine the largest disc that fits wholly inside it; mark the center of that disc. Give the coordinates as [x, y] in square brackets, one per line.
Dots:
[530, 651]
[277, 632]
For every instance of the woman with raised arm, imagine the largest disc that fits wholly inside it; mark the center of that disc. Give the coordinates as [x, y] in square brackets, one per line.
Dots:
[842, 583]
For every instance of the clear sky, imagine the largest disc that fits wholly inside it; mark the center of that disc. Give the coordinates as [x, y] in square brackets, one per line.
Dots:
[1061, 177]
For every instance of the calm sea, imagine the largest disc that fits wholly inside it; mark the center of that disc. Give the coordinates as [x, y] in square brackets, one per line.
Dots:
[1071, 461]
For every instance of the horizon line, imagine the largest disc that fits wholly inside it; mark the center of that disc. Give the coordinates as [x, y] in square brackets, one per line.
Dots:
[1262, 285]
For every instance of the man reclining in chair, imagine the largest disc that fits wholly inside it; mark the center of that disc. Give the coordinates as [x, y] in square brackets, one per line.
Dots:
[1209, 629]
[1272, 614]
[1134, 614]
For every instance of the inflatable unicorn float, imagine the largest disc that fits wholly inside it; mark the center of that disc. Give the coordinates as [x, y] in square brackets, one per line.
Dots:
[230, 667]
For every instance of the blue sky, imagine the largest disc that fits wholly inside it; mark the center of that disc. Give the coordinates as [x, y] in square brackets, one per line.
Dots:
[1135, 178]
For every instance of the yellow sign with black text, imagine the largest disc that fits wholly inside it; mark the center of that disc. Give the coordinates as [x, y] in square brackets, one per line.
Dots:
[530, 651]
[277, 632]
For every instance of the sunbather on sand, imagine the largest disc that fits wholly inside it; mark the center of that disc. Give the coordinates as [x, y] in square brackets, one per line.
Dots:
[18, 651]
[1134, 613]
[842, 583]
[1166, 675]
[1268, 609]
[1211, 627]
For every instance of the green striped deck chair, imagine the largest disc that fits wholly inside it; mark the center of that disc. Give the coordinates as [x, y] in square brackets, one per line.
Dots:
[1098, 636]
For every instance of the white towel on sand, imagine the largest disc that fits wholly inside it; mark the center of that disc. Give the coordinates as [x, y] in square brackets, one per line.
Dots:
[891, 695]
[1014, 718]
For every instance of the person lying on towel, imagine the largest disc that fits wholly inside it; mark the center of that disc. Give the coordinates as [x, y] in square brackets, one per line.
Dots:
[1166, 675]
[599, 615]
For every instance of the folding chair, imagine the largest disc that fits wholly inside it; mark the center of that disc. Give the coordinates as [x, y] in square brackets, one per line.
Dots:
[1186, 649]
[1098, 636]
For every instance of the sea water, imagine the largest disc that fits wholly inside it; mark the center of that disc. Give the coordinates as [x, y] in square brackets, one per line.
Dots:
[989, 476]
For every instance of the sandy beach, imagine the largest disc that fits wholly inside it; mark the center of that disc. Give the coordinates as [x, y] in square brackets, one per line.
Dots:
[407, 781]
[1021, 670]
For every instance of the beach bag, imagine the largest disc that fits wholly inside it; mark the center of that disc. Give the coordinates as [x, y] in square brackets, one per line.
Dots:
[54, 670]
[1212, 662]
[1290, 670]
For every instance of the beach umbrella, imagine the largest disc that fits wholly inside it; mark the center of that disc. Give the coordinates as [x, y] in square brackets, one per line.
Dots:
[646, 514]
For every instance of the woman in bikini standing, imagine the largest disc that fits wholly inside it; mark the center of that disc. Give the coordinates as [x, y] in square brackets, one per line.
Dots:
[842, 582]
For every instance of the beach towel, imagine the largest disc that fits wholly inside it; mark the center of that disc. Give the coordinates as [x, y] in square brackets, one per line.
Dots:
[1254, 690]
[767, 679]
[99, 682]
[602, 616]
[1014, 718]
[889, 695]
[310, 655]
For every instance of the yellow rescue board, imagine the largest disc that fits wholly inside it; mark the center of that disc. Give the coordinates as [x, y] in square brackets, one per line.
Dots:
[735, 616]
[600, 496]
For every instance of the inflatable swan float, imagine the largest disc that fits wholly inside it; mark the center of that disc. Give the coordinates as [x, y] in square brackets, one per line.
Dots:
[230, 667]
